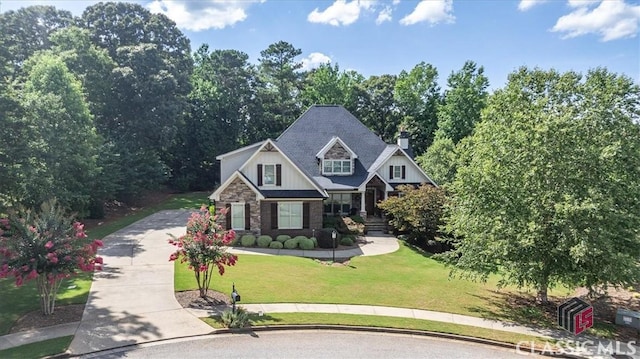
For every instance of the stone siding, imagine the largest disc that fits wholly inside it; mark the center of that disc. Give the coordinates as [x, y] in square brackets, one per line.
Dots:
[337, 152]
[238, 191]
[315, 220]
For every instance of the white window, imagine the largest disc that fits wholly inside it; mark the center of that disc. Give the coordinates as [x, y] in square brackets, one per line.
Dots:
[269, 175]
[397, 172]
[237, 216]
[336, 167]
[289, 215]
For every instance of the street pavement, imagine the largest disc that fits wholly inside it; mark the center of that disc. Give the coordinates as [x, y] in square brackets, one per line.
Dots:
[132, 300]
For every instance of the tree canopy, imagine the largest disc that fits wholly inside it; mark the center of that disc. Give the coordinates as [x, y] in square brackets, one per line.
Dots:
[547, 189]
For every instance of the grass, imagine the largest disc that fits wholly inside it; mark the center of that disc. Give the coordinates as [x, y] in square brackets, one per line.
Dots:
[38, 350]
[15, 302]
[382, 322]
[401, 279]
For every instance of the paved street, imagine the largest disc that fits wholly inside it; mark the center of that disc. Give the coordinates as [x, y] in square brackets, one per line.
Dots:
[314, 345]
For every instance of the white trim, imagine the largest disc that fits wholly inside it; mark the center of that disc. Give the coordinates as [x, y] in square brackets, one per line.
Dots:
[330, 144]
[269, 141]
[275, 175]
[374, 170]
[363, 186]
[216, 194]
[325, 173]
[242, 204]
[241, 149]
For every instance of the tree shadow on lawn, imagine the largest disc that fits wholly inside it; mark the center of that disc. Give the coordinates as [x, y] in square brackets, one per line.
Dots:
[522, 308]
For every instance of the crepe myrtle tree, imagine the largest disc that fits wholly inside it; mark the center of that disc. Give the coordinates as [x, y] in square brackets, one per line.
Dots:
[46, 245]
[203, 246]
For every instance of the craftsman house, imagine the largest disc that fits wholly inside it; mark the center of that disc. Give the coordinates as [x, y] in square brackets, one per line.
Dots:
[326, 163]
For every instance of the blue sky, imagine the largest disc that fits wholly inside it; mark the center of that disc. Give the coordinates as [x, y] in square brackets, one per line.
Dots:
[386, 37]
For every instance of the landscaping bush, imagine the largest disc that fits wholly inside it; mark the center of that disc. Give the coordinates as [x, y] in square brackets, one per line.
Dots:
[283, 238]
[357, 219]
[239, 319]
[264, 241]
[276, 245]
[337, 223]
[325, 240]
[248, 240]
[291, 243]
[305, 243]
[315, 241]
[347, 241]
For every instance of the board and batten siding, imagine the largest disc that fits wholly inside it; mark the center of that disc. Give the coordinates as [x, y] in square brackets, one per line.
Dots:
[412, 174]
[291, 179]
[232, 162]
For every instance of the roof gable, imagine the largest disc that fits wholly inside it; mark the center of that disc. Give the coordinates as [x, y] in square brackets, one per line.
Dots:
[312, 131]
[335, 140]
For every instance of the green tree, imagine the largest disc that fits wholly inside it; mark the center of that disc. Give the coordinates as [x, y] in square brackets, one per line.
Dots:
[464, 100]
[327, 85]
[417, 95]
[418, 212]
[221, 105]
[26, 31]
[279, 89]
[46, 246]
[440, 161]
[376, 107]
[53, 101]
[547, 189]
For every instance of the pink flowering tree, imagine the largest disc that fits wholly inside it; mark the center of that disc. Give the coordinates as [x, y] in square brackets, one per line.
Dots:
[204, 246]
[46, 246]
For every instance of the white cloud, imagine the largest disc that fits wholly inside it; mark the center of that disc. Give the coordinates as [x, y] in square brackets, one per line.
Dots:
[579, 3]
[612, 19]
[203, 14]
[525, 5]
[395, 2]
[341, 12]
[384, 15]
[433, 11]
[314, 60]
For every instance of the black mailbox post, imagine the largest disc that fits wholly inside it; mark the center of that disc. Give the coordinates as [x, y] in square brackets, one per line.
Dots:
[235, 297]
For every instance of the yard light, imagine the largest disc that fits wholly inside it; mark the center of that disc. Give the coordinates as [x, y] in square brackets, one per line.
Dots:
[235, 297]
[334, 235]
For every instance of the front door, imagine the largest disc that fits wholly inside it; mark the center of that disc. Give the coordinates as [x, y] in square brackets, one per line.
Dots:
[370, 201]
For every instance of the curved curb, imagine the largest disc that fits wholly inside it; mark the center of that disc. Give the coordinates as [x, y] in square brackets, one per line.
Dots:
[346, 328]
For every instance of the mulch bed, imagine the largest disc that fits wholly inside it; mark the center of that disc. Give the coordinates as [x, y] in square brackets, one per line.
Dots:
[61, 315]
[192, 299]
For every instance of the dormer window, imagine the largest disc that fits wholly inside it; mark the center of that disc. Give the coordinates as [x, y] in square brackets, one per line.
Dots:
[336, 167]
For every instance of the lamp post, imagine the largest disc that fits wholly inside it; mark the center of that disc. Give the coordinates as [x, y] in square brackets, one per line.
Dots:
[334, 235]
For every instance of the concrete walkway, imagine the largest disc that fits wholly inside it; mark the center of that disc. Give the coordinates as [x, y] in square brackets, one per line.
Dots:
[132, 300]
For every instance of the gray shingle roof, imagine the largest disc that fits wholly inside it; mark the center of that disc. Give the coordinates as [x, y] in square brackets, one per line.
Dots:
[317, 126]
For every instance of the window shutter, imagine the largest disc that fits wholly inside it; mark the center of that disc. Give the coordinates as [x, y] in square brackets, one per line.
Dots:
[305, 215]
[278, 175]
[228, 216]
[404, 172]
[247, 216]
[259, 175]
[390, 172]
[274, 216]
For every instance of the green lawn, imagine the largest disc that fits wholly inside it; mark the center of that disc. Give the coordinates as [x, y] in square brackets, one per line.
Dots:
[381, 322]
[15, 302]
[38, 350]
[401, 279]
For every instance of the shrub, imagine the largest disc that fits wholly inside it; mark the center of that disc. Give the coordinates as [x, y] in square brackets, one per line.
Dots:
[276, 245]
[346, 241]
[239, 319]
[291, 243]
[315, 241]
[264, 241]
[283, 238]
[248, 240]
[325, 240]
[305, 243]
